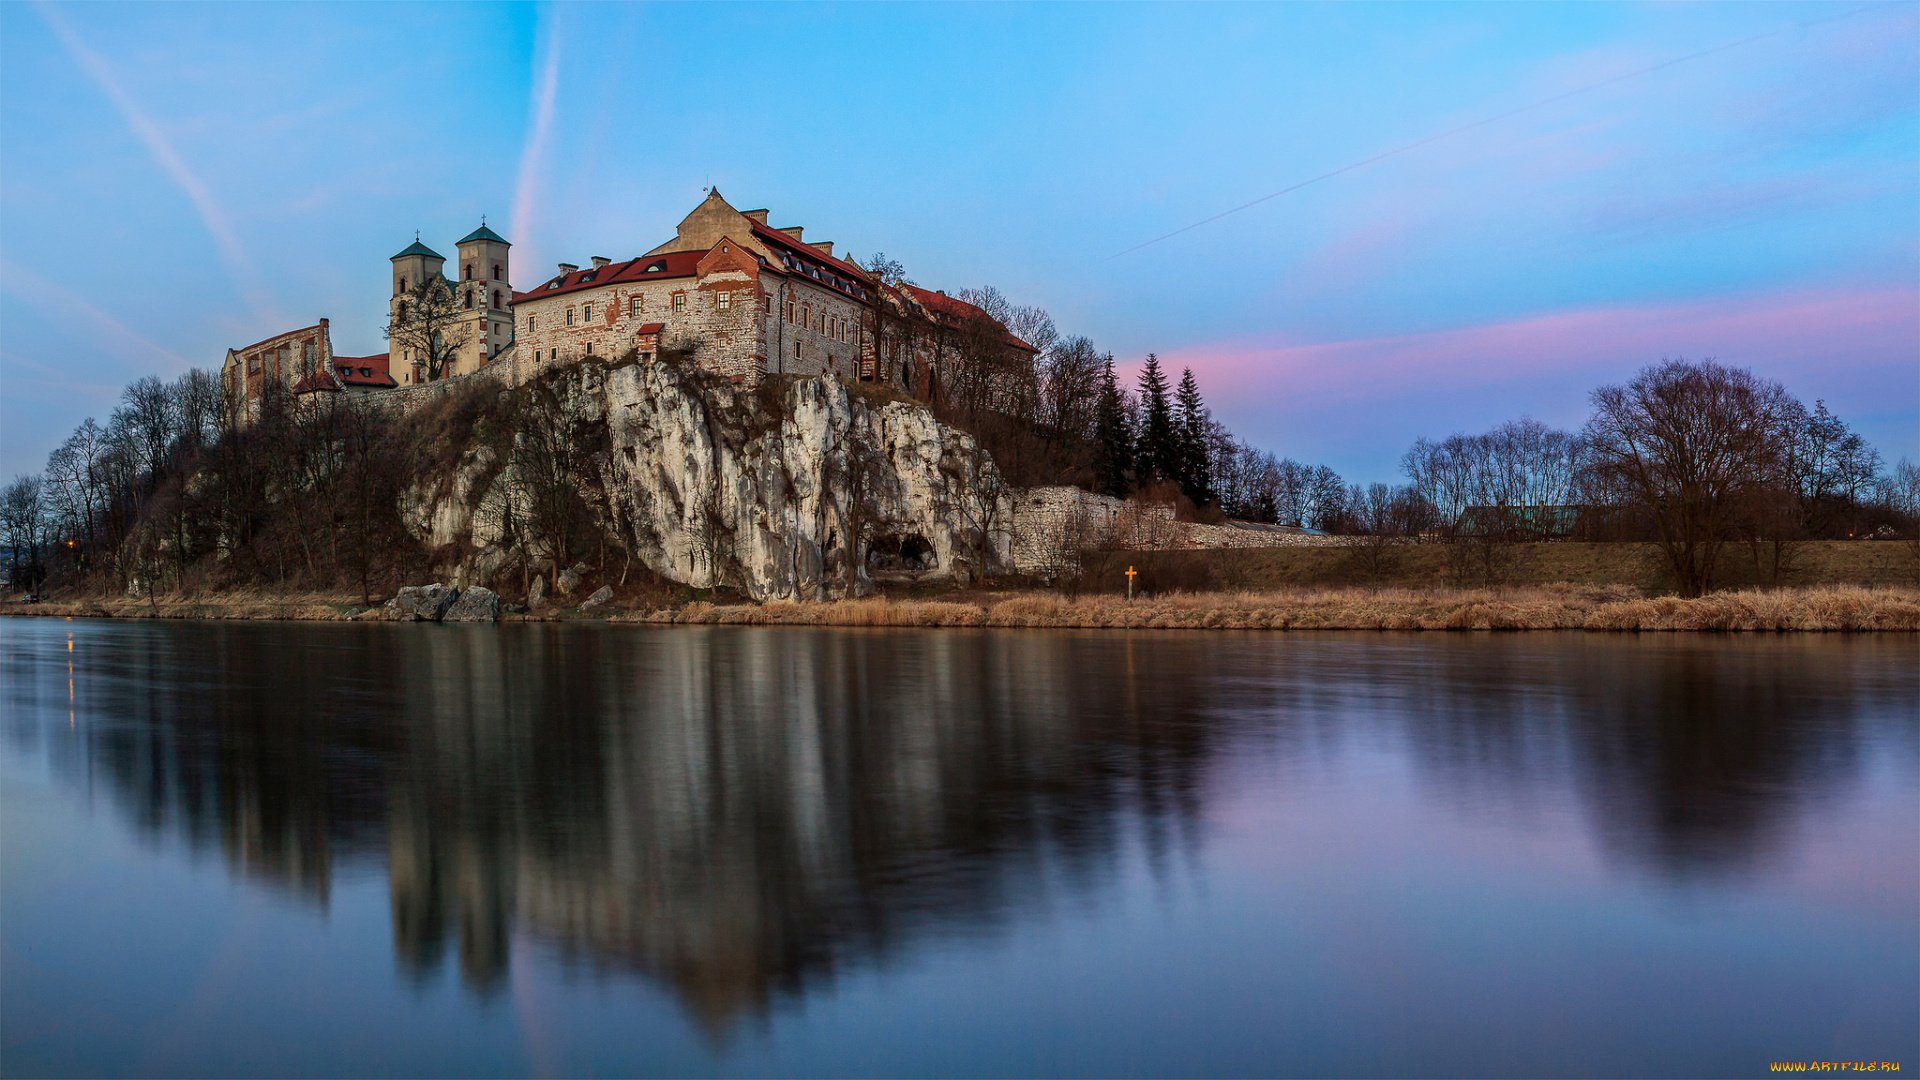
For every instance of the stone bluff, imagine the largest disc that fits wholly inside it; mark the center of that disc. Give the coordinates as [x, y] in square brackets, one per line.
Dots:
[777, 491]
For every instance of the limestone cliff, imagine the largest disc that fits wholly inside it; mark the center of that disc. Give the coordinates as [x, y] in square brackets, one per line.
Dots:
[795, 490]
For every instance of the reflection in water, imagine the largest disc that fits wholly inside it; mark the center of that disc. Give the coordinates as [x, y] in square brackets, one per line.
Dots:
[738, 812]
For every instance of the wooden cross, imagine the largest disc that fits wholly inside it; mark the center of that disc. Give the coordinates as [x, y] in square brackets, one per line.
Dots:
[1130, 572]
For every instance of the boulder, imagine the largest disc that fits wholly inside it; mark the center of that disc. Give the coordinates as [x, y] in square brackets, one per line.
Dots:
[424, 602]
[474, 605]
[569, 579]
[600, 596]
[537, 595]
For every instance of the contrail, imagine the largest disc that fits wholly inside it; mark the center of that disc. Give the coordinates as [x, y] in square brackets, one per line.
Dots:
[18, 281]
[239, 267]
[533, 155]
[1509, 114]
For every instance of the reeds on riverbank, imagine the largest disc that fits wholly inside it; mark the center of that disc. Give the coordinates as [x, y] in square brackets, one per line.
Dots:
[1545, 607]
[1539, 608]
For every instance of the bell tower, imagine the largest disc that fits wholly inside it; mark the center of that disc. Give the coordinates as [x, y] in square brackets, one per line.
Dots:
[483, 279]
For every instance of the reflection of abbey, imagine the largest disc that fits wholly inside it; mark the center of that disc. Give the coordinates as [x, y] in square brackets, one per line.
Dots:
[728, 293]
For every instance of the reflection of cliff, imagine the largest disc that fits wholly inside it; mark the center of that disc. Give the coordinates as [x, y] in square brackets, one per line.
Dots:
[739, 812]
[734, 811]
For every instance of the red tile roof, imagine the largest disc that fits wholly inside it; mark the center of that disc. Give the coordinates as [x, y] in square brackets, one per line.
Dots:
[956, 307]
[651, 328]
[801, 247]
[375, 366]
[673, 264]
[316, 382]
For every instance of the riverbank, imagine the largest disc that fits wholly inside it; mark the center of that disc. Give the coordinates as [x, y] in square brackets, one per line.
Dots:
[1549, 607]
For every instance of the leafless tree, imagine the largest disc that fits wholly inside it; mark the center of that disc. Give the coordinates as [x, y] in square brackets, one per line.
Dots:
[1689, 444]
[429, 328]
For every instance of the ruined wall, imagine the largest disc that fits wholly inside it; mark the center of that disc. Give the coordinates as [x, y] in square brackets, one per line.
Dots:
[1052, 525]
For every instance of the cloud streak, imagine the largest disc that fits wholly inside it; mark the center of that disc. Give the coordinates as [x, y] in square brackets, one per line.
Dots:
[533, 157]
[1859, 349]
[240, 268]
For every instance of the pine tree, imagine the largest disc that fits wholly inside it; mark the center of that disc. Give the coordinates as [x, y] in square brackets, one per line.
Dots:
[1196, 477]
[1112, 438]
[1159, 448]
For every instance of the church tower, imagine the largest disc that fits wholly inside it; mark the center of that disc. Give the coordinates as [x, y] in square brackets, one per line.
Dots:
[416, 264]
[484, 287]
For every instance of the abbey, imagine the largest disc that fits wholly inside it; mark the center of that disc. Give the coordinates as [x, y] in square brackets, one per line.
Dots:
[728, 293]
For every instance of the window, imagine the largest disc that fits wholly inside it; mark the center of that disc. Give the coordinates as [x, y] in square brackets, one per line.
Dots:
[586, 313]
[796, 350]
[496, 299]
[403, 311]
[769, 302]
[529, 324]
[469, 300]
[790, 306]
[569, 316]
[679, 302]
[634, 305]
[403, 284]
[723, 300]
[589, 348]
[466, 272]
[496, 272]
[555, 355]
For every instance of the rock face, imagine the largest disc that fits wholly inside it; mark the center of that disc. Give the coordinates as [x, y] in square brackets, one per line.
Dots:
[476, 604]
[796, 490]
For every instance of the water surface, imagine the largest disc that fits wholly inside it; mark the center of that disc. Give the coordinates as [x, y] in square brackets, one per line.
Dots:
[312, 849]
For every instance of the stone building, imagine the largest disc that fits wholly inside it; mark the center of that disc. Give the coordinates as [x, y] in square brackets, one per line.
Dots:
[298, 363]
[284, 363]
[743, 299]
[475, 310]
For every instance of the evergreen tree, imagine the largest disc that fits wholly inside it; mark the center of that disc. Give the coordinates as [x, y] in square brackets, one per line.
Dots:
[1159, 444]
[1112, 438]
[1195, 475]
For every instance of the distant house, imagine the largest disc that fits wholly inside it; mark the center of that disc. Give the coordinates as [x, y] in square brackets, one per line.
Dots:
[1519, 522]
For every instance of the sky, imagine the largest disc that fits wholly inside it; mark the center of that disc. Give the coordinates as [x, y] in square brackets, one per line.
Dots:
[1568, 192]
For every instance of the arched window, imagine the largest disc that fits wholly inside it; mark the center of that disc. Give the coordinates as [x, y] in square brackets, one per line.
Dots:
[496, 272]
[403, 284]
[496, 298]
[469, 299]
[466, 272]
[403, 311]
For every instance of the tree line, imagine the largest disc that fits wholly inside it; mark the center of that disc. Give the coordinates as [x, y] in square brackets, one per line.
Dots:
[1691, 456]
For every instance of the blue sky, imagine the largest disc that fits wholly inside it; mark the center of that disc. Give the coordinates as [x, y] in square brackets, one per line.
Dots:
[176, 180]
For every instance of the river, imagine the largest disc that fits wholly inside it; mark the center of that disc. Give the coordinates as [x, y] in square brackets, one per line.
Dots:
[258, 849]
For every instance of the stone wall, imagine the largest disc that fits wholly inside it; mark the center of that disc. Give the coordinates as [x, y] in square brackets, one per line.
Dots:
[1052, 525]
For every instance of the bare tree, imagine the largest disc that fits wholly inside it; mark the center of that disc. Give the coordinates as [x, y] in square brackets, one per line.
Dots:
[429, 328]
[1688, 443]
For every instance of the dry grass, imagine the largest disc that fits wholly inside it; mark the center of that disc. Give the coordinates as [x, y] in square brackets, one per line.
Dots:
[1563, 607]
[235, 604]
[1547, 607]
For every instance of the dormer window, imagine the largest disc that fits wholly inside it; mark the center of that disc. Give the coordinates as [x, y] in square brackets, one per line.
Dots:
[589, 275]
[656, 266]
[555, 283]
[366, 373]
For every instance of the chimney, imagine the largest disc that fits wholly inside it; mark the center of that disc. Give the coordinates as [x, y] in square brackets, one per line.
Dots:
[759, 216]
[600, 261]
[793, 231]
[825, 247]
[568, 268]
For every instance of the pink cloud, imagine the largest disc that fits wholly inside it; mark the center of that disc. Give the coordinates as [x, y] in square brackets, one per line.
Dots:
[1367, 398]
